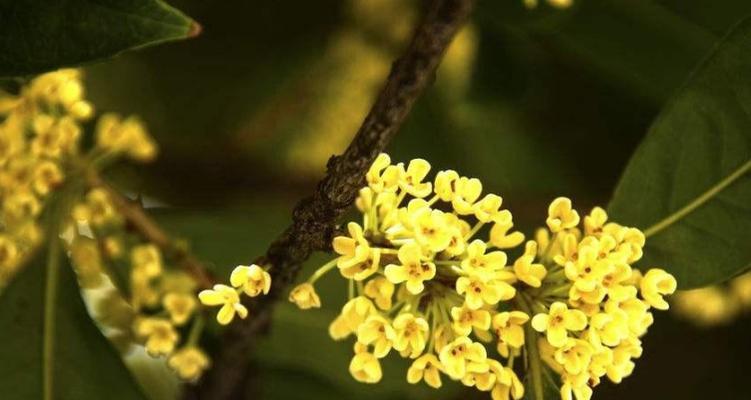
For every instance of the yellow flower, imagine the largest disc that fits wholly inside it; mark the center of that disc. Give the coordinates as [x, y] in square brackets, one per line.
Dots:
[478, 292]
[227, 297]
[160, 335]
[616, 283]
[588, 270]
[147, 258]
[444, 184]
[365, 368]
[180, 306]
[478, 262]
[466, 319]
[561, 216]
[381, 290]
[427, 368]
[466, 193]
[9, 254]
[189, 363]
[526, 269]
[47, 176]
[353, 314]
[355, 254]
[595, 221]
[655, 284]
[610, 327]
[411, 182]
[501, 238]
[443, 335]
[127, 136]
[507, 385]
[305, 296]
[575, 386]
[558, 322]
[508, 327]
[639, 317]
[377, 331]
[431, 229]
[462, 356]
[252, 279]
[485, 380]
[622, 365]
[411, 332]
[376, 180]
[413, 270]
[575, 356]
[489, 209]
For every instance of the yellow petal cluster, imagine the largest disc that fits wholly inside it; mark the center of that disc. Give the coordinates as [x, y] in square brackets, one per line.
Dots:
[430, 277]
[141, 299]
[252, 280]
[41, 128]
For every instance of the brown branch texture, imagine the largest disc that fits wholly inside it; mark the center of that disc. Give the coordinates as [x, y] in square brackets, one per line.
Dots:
[314, 218]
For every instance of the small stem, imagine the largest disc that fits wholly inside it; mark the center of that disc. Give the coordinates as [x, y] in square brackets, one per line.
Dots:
[50, 306]
[196, 330]
[533, 355]
[322, 271]
[703, 198]
[474, 230]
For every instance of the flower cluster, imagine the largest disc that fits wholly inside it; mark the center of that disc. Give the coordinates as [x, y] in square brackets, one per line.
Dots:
[423, 283]
[714, 305]
[40, 145]
[252, 280]
[41, 153]
[153, 304]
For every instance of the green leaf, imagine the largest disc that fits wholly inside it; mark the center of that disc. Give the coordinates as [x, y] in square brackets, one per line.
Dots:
[79, 363]
[38, 36]
[687, 184]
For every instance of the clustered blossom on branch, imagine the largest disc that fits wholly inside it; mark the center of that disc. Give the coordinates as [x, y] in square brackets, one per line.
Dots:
[44, 164]
[251, 280]
[427, 281]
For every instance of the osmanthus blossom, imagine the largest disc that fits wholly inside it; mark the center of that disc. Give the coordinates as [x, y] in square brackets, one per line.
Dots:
[424, 282]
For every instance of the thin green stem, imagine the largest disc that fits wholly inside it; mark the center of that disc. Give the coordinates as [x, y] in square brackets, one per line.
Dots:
[703, 198]
[50, 300]
[196, 330]
[322, 271]
[533, 355]
[474, 230]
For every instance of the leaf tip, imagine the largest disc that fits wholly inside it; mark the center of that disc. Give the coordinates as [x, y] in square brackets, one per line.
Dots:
[195, 29]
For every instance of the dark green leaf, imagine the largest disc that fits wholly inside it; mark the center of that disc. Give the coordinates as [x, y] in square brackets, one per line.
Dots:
[38, 36]
[699, 141]
[84, 365]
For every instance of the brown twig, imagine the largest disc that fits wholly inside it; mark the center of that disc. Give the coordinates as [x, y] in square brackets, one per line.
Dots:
[314, 218]
[150, 230]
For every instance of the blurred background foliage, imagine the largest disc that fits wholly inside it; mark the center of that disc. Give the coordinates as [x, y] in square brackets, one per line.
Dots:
[537, 103]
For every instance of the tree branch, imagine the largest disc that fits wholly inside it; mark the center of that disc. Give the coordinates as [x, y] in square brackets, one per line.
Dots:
[314, 218]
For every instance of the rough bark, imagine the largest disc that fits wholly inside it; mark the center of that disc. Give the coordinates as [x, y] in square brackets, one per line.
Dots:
[314, 218]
